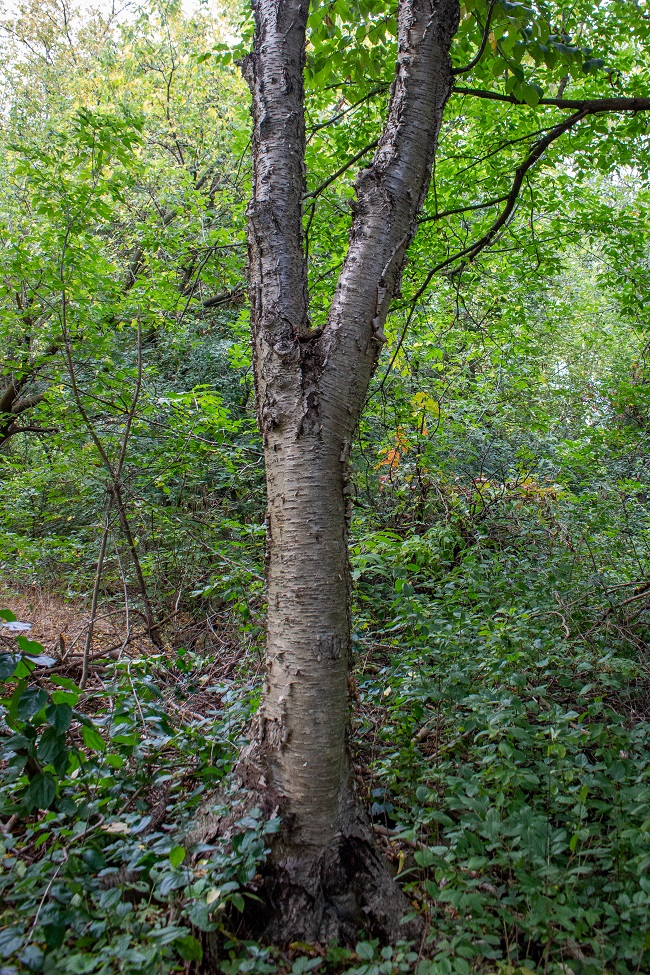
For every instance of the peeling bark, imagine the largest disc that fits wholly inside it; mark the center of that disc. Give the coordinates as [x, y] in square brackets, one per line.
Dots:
[326, 878]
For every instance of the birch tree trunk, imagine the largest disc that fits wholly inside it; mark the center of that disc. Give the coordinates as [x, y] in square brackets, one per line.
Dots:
[326, 875]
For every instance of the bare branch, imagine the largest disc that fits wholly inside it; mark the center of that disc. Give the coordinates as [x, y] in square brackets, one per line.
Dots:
[467, 209]
[534, 156]
[345, 111]
[339, 172]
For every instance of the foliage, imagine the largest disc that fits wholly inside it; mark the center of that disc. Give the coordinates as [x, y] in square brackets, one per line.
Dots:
[101, 881]
[500, 510]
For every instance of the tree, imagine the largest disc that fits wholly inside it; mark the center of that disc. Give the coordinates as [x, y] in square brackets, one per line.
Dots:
[311, 385]
[146, 258]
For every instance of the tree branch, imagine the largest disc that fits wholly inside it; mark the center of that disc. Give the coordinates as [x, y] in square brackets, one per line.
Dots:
[339, 172]
[590, 106]
[233, 294]
[12, 431]
[534, 156]
[26, 403]
[345, 111]
[479, 54]
[390, 193]
[474, 206]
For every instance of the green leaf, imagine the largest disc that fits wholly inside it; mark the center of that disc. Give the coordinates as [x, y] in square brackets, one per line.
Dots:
[31, 647]
[303, 964]
[424, 858]
[41, 791]
[365, 950]
[94, 858]
[189, 948]
[531, 94]
[59, 716]
[114, 760]
[65, 697]
[177, 855]
[51, 744]
[8, 616]
[7, 666]
[54, 934]
[81, 963]
[18, 743]
[11, 940]
[237, 901]
[66, 682]
[31, 701]
[199, 916]
[92, 739]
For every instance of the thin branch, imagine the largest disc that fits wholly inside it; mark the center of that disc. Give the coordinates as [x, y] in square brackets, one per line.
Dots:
[314, 194]
[499, 147]
[475, 206]
[346, 111]
[134, 403]
[638, 594]
[341, 170]
[589, 106]
[479, 54]
[115, 486]
[75, 390]
[395, 354]
[534, 156]
[326, 273]
[93, 609]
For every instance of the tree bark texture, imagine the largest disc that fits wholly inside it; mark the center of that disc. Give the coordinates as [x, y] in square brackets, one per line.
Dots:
[310, 389]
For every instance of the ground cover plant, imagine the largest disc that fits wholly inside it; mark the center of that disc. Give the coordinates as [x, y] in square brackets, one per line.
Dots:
[325, 652]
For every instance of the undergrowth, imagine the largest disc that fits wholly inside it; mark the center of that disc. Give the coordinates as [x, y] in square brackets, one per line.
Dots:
[507, 736]
[500, 739]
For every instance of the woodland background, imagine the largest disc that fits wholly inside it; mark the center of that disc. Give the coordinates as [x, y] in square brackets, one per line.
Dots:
[501, 500]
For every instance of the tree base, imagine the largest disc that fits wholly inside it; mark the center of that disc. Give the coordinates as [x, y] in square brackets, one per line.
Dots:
[341, 893]
[336, 895]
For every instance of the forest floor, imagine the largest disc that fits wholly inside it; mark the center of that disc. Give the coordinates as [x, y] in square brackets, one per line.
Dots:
[61, 626]
[483, 771]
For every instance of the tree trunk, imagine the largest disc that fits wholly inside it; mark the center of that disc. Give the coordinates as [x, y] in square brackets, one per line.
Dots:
[326, 877]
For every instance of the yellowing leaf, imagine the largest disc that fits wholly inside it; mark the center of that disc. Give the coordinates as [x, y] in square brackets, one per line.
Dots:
[423, 403]
[212, 895]
[116, 828]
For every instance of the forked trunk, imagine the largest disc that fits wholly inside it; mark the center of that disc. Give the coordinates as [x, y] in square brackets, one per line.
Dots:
[325, 877]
